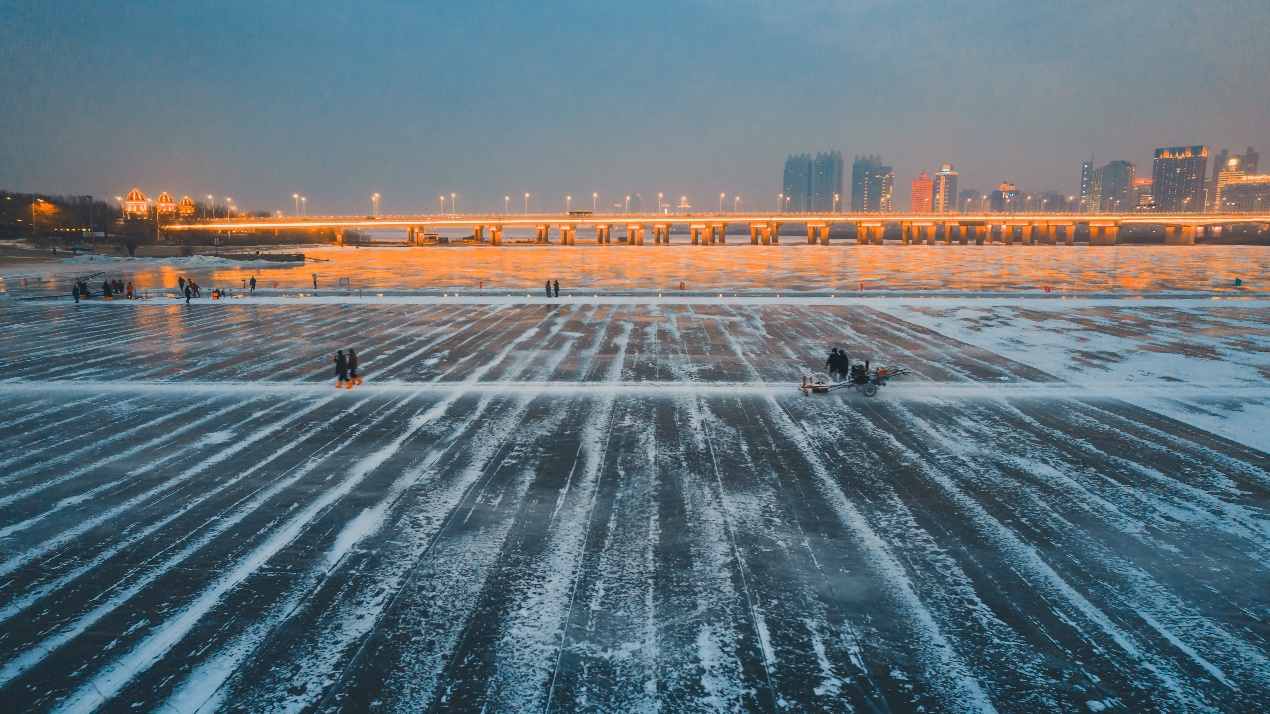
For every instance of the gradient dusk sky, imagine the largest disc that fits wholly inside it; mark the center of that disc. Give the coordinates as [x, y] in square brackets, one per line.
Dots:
[259, 100]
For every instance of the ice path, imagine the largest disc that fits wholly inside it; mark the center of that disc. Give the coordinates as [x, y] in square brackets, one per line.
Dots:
[623, 505]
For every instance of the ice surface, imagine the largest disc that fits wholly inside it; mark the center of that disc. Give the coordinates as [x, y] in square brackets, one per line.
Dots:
[623, 503]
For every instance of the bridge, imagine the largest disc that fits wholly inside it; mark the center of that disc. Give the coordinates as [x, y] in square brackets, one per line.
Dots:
[764, 228]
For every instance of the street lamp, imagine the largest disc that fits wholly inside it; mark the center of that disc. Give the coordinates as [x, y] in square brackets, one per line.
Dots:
[595, 197]
[659, 203]
[721, 202]
[228, 206]
[442, 197]
[526, 202]
[835, 202]
[211, 205]
[304, 206]
[734, 202]
[780, 201]
[374, 199]
[507, 204]
[567, 201]
[296, 196]
[454, 203]
[628, 205]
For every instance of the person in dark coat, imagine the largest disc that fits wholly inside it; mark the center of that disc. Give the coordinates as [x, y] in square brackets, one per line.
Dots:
[253, 280]
[831, 364]
[180, 283]
[341, 368]
[548, 288]
[75, 294]
[555, 286]
[106, 290]
[188, 293]
[352, 368]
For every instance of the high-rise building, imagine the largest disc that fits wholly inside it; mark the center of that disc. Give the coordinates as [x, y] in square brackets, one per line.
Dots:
[1177, 179]
[923, 193]
[1245, 194]
[944, 196]
[1002, 200]
[1228, 167]
[826, 182]
[1111, 187]
[871, 185]
[797, 183]
[813, 184]
[1088, 198]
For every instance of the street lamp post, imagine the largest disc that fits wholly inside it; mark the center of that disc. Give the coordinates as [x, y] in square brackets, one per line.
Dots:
[567, 200]
[595, 197]
[454, 203]
[228, 205]
[442, 197]
[721, 196]
[526, 202]
[780, 201]
[507, 204]
[296, 196]
[835, 203]
[374, 199]
[628, 204]
[211, 206]
[304, 206]
[659, 202]
[734, 202]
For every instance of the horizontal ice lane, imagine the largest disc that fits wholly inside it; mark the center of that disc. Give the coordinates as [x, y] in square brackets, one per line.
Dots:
[600, 507]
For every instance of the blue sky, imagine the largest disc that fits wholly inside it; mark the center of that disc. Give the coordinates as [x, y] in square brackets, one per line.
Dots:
[411, 100]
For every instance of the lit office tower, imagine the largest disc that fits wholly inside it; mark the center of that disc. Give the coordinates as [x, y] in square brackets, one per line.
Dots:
[1088, 199]
[797, 183]
[923, 190]
[1112, 187]
[1225, 167]
[944, 196]
[871, 185]
[1177, 179]
[826, 181]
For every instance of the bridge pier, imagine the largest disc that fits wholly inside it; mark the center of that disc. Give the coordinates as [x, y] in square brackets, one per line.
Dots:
[495, 235]
[754, 231]
[776, 233]
[1103, 234]
[478, 233]
[767, 235]
[634, 234]
[1179, 235]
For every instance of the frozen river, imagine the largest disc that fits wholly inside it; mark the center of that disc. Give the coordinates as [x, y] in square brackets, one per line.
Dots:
[622, 504]
[733, 268]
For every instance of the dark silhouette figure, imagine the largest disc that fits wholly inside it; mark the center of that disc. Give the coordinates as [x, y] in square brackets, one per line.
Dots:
[352, 368]
[341, 368]
[555, 286]
[253, 284]
[188, 294]
[106, 290]
[548, 288]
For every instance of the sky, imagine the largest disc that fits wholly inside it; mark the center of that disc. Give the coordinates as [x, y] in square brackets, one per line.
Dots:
[412, 100]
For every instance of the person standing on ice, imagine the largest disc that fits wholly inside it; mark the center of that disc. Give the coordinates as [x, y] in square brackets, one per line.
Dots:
[180, 283]
[253, 285]
[188, 293]
[352, 368]
[555, 287]
[834, 363]
[341, 368]
[129, 289]
[548, 288]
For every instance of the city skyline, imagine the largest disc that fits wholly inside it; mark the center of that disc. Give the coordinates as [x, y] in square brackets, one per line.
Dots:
[487, 101]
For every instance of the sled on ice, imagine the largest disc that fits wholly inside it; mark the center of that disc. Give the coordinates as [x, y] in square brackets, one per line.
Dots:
[861, 379]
